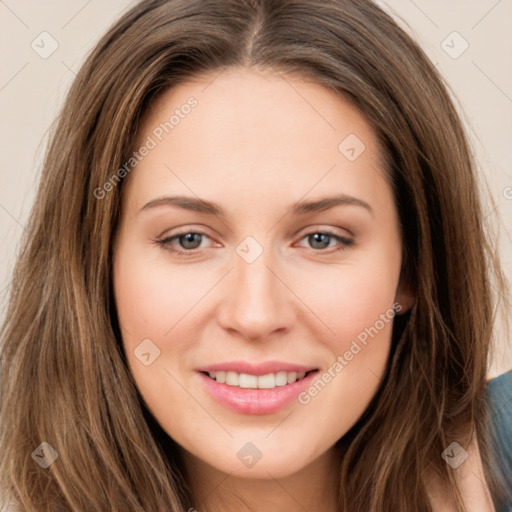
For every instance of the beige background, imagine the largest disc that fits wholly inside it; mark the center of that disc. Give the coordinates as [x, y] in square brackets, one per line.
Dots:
[32, 89]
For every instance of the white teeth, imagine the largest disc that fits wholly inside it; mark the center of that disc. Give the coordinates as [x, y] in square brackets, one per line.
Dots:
[292, 377]
[247, 381]
[232, 378]
[281, 379]
[267, 381]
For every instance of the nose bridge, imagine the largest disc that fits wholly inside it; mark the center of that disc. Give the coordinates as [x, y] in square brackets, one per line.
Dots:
[258, 302]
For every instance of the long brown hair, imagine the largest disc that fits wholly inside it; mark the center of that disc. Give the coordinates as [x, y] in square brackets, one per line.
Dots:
[64, 378]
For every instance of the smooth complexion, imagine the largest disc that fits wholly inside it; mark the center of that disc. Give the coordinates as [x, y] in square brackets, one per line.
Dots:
[257, 144]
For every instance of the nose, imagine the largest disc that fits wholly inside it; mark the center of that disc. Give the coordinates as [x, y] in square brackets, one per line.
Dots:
[257, 302]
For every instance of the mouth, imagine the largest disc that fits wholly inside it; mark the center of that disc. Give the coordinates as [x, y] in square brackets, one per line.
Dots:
[250, 381]
[252, 389]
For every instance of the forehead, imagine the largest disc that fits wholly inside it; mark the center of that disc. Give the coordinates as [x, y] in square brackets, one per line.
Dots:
[254, 130]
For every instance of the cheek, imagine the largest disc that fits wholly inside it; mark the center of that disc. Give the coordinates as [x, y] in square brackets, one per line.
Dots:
[354, 299]
[152, 298]
[152, 304]
[358, 306]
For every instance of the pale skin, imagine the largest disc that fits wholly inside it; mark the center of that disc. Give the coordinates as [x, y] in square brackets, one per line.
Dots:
[255, 146]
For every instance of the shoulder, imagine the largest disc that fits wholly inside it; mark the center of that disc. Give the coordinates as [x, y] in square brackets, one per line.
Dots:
[499, 392]
[499, 396]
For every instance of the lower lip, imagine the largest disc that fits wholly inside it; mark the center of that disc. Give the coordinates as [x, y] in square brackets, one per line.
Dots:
[256, 401]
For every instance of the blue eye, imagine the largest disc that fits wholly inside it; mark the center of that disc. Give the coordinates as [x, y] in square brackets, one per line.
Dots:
[189, 241]
[323, 238]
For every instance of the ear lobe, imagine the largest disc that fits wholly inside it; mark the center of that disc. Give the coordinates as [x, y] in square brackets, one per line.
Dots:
[405, 297]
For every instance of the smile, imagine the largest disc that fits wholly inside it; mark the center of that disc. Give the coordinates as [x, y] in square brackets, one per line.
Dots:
[248, 388]
[248, 381]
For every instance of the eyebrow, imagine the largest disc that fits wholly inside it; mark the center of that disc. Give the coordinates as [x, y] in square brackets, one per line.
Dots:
[299, 208]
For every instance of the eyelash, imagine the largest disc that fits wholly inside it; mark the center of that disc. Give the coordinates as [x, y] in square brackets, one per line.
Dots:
[166, 242]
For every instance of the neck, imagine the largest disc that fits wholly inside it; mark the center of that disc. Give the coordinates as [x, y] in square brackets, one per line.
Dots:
[314, 487]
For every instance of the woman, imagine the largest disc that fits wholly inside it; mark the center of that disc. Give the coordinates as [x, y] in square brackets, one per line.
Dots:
[255, 277]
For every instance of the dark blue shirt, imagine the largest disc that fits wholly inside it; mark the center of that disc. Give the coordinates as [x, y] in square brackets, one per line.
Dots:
[499, 393]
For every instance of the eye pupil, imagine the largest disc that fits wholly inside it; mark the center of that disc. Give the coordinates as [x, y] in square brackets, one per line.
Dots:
[186, 240]
[322, 238]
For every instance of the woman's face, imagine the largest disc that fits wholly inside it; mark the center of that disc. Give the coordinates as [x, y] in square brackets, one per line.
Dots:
[288, 269]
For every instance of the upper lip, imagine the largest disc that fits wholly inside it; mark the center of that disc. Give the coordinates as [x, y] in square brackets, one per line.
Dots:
[256, 369]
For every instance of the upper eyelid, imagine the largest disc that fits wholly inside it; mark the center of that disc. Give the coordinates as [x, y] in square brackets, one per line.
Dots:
[182, 233]
[314, 228]
[305, 231]
[329, 230]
